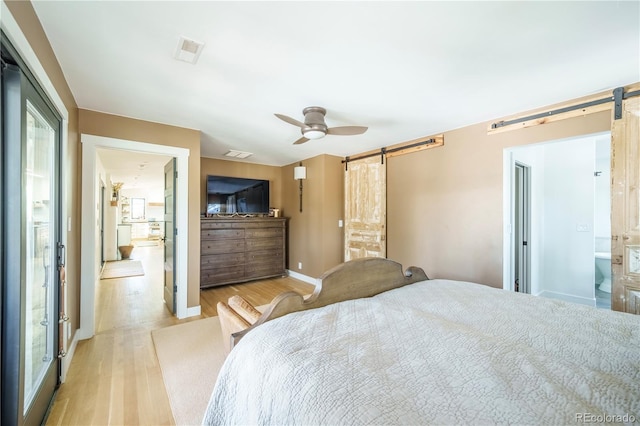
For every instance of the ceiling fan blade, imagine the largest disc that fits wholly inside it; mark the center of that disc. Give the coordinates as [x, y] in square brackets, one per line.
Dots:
[347, 130]
[291, 120]
[301, 140]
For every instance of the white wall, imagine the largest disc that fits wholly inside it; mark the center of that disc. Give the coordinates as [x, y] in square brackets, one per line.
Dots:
[110, 221]
[569, 217]
[110, 250]
[602, 216]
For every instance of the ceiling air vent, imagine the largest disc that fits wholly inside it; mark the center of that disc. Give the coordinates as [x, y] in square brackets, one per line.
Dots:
[188, 50]
[238, 154]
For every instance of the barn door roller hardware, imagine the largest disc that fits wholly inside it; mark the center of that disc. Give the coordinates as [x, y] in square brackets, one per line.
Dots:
[384, 151]
[617, 96]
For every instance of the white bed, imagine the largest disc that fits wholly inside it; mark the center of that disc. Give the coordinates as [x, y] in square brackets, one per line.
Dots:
[434, 352]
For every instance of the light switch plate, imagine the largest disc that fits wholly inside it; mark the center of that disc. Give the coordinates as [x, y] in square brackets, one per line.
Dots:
[583, 227]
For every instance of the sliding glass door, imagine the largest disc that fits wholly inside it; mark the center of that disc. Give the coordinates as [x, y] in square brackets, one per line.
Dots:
[30, 246]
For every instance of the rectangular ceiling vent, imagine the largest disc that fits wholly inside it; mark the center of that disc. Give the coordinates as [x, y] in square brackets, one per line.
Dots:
[238, 154]
[188, 50]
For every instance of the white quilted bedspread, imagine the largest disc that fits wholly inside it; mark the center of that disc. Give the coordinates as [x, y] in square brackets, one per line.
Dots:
[435, 352]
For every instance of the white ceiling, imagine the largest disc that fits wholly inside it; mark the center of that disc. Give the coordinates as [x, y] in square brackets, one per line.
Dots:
[404, 69]
[136, 171]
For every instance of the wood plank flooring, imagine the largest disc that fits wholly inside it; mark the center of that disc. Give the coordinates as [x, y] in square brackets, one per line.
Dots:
[114, 378]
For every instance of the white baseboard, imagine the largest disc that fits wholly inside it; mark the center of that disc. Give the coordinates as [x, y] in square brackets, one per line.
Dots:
[301, 277]
[66, 361]
[568, 298]
[193, 311]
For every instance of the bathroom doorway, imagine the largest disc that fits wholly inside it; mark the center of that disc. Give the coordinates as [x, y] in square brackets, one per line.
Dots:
[568, 214]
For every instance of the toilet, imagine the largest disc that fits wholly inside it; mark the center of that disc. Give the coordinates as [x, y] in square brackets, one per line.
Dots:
[603, 265]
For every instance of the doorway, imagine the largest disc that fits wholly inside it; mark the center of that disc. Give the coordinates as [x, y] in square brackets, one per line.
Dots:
[135, 217]
[89, 267]
[563, 215]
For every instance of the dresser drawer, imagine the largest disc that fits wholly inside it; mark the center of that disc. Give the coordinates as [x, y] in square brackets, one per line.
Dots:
[264, 233]
[221, 234]
[217, 260]
[263, 243]
[263, 270]
[221, 274]
[209, 224]
[261, 256]
[269, 223]
[221, 246]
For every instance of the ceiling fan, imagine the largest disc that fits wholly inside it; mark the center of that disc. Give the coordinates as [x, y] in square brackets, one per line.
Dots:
[314, 126]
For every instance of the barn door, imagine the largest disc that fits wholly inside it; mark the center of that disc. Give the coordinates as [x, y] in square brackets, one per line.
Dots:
[625, 208]
[365, 209]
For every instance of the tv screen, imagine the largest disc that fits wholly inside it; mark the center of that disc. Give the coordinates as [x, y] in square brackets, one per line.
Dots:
[228, 195]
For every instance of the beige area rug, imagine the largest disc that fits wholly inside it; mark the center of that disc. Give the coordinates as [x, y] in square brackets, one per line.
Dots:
[121, 269]
[145, 243]
[190, 357]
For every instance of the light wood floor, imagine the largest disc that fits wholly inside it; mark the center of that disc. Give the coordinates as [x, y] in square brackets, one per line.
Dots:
[114, 377]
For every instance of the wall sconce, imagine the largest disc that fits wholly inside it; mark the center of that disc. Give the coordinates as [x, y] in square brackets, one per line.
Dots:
[299, 174]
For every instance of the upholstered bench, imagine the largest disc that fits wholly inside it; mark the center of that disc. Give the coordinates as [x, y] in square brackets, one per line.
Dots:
[235, 315]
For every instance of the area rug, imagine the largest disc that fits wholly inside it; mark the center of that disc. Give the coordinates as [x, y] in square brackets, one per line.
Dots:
[121, 269]
[145, 243]
[190, 356]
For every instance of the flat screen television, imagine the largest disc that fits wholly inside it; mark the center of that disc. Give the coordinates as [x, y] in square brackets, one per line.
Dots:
[228, 195]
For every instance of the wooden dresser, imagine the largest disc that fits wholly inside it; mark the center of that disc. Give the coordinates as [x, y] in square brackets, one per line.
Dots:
[241, 249]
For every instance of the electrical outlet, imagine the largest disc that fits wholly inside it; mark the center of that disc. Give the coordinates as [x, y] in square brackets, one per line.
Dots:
[340, 223]
[299, 265]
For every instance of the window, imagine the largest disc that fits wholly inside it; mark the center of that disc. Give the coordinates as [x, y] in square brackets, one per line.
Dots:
[137, 208]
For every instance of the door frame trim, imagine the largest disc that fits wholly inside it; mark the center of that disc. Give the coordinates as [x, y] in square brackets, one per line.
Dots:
[508, 170]
[90, 274]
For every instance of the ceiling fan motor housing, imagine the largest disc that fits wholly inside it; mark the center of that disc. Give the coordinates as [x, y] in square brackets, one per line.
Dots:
[314, 119]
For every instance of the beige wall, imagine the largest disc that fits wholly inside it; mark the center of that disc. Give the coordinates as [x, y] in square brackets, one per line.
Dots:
[212, 166]
[28, 22]
[314, 236]
[444, 205]
[113, 126]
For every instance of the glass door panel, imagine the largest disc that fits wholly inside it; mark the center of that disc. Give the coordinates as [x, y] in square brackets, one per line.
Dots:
[39, 255]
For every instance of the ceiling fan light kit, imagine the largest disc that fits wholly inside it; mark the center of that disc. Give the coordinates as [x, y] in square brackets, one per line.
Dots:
[313, 134]
[314, 126]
